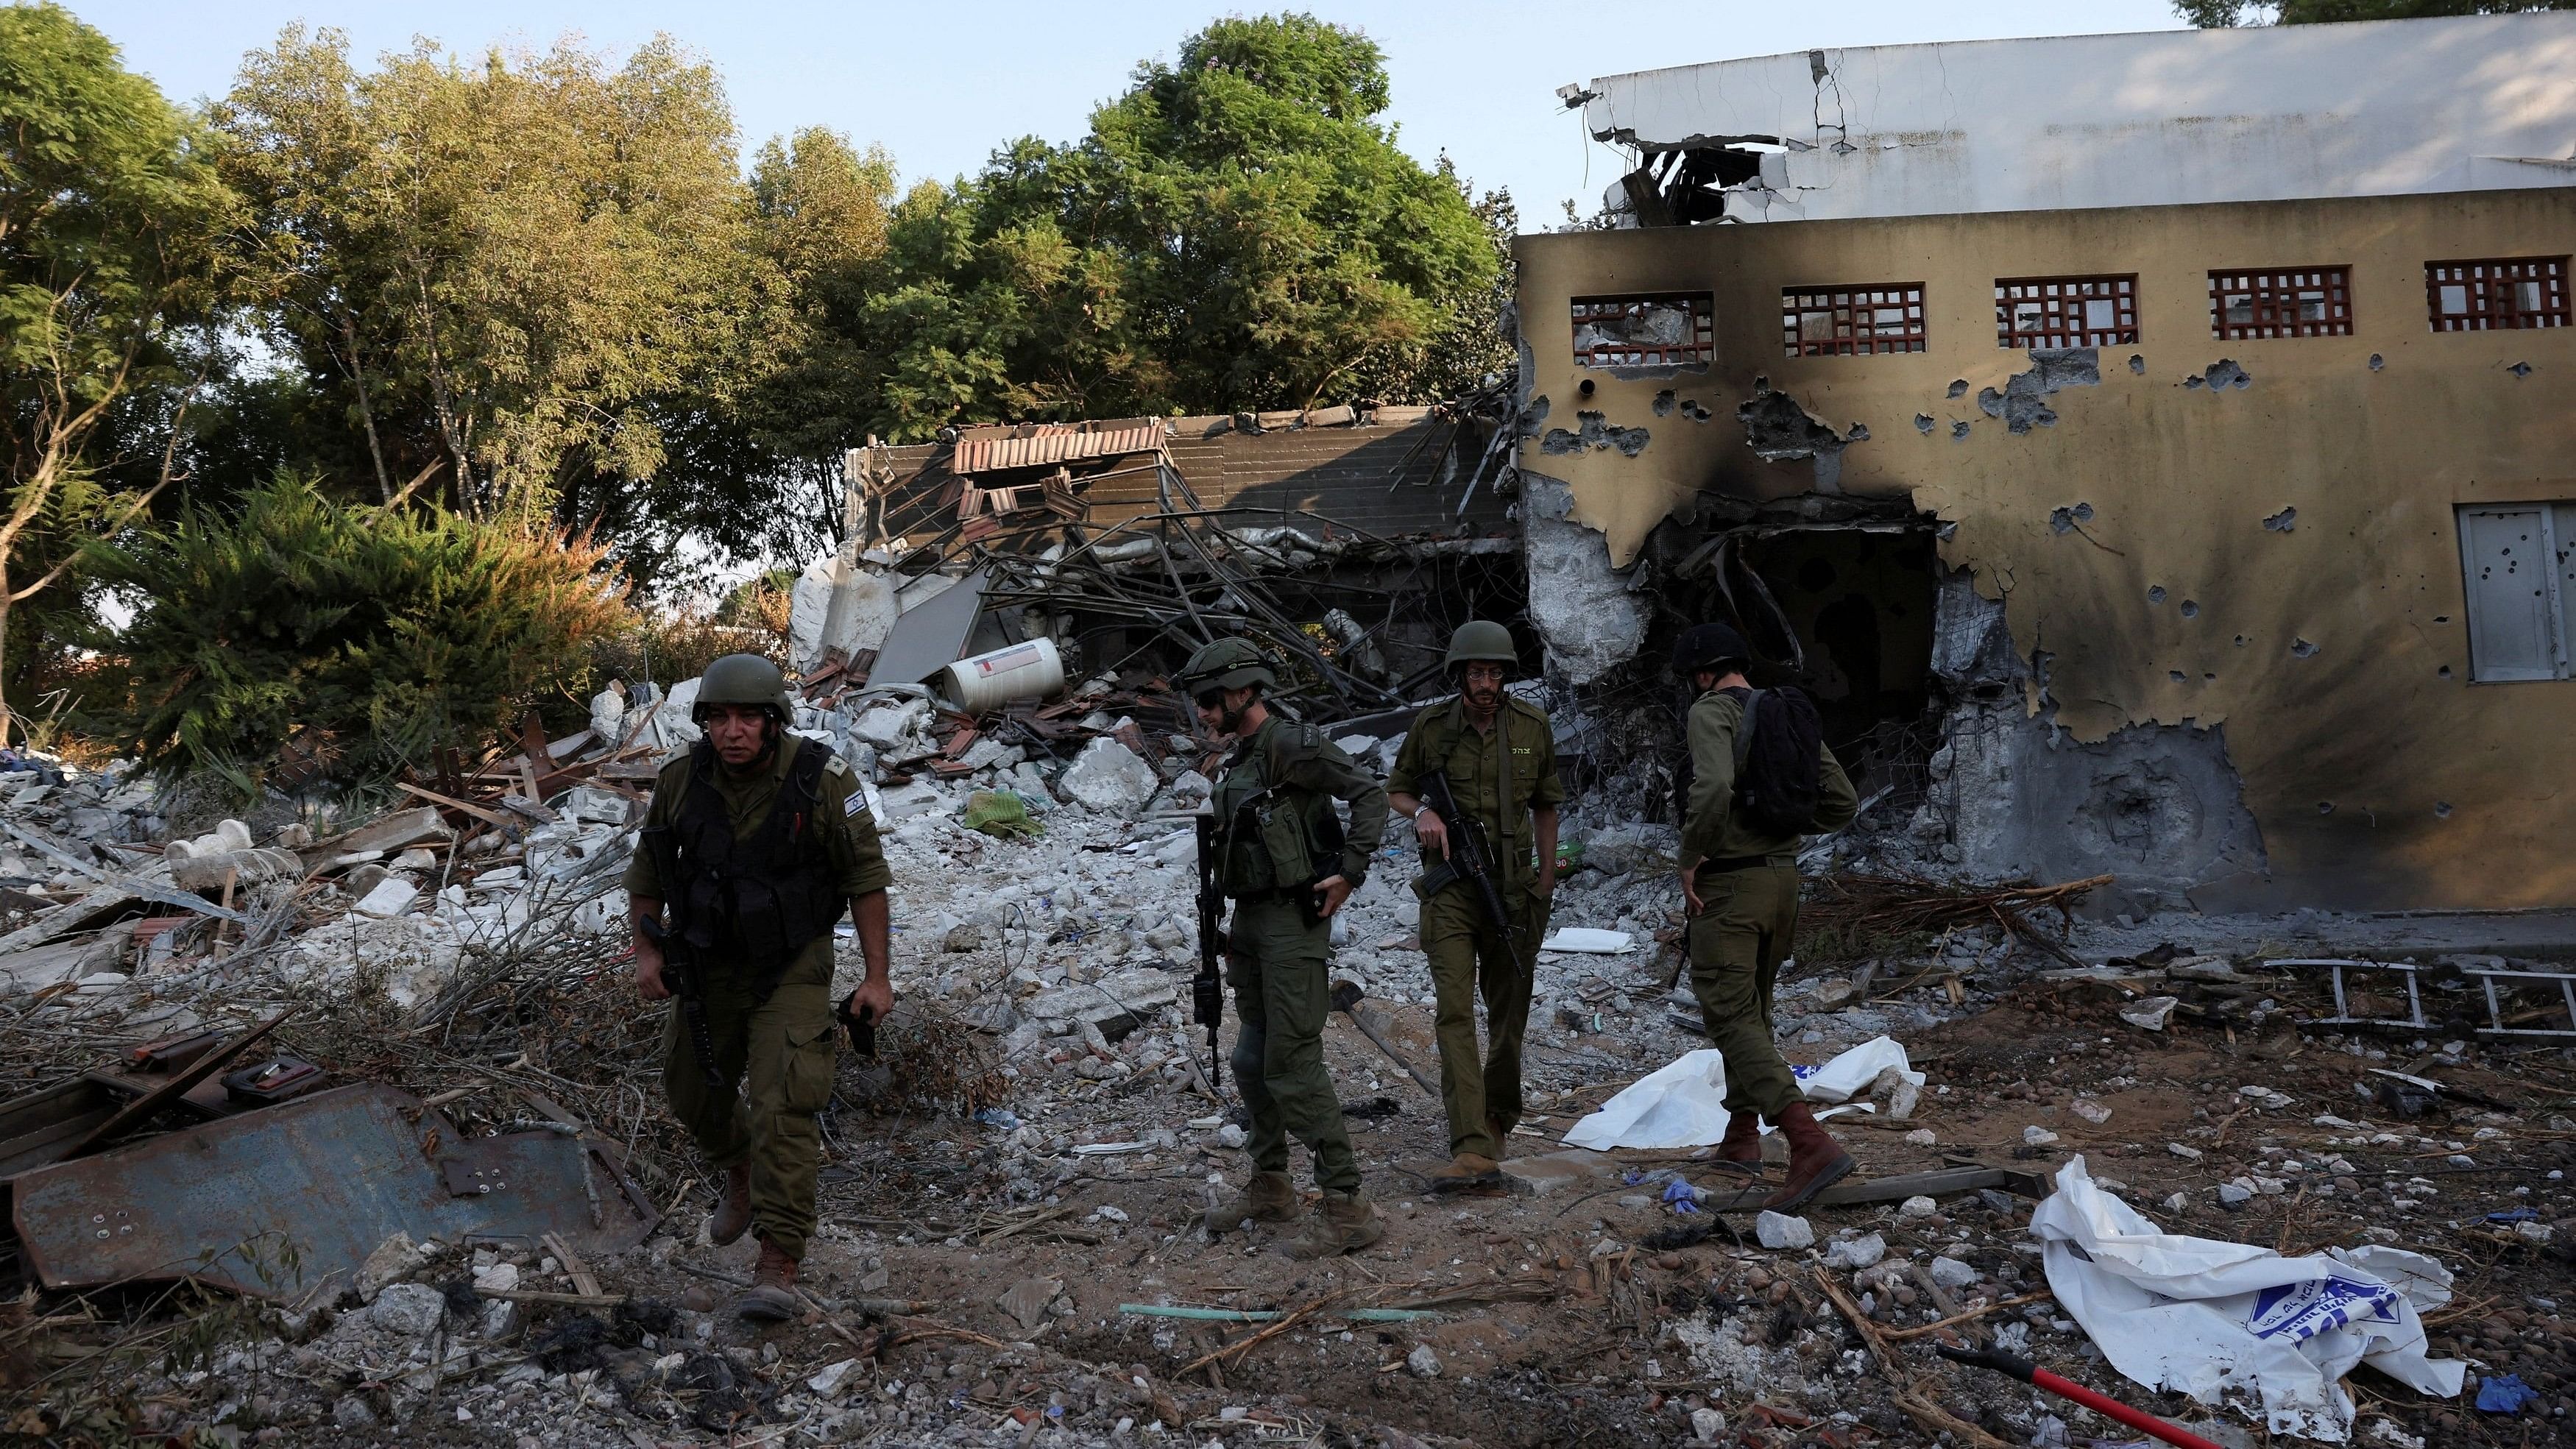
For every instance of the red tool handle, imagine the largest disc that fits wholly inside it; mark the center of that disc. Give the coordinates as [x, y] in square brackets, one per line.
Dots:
[2037, 1377]
[2144, 1423]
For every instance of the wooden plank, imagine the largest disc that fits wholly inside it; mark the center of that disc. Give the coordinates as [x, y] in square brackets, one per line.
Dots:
[449, 802]
[1944, 1183]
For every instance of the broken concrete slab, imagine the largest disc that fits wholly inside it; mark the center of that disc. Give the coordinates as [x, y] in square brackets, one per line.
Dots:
[385, 836]
[390, 896]
[1116, 1003]
[1110, 778]
[1554, 1172]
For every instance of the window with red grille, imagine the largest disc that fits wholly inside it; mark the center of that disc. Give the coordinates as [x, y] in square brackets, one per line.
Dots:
[2051, 312]
[2287, 302]
[2492, 295]
[1661, 329]
[1852, 321]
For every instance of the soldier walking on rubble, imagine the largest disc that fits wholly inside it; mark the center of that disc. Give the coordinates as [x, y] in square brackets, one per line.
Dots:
[1498, 755]
[1739, 870]
[758, 840]
[1288, 864]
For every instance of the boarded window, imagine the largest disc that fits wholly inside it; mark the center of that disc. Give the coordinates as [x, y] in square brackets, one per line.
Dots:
[2054, 312]
[2290, 302]
[2519, 560]
[1852, 321]
[2491, 295]
[1664, 329]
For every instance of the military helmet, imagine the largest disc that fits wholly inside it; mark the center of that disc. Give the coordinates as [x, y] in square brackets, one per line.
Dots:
[1480, 641]
[1709, 647]
[1227, 664]
[743, 679]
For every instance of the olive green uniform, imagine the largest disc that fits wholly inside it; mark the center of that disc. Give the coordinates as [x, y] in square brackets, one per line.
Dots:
[788, 1044]
[1289, 775]
[1499, 777]
[1748, 918]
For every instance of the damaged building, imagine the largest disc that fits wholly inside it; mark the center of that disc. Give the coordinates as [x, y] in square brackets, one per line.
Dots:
[1350, 540]
[2152, 450]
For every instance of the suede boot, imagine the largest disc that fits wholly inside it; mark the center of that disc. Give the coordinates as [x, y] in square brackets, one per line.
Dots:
[1741, 1149]
[1816, 1160]
[1502, 1136]
[732, 1217]
[771, 1298]
[1268, 1198]
[1465, 1170]
[1342, 1222]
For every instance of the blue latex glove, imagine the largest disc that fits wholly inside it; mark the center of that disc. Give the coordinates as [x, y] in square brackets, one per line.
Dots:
[2505, 1395]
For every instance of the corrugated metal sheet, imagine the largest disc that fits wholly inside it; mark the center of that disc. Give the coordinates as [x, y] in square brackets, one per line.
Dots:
[1032, 445]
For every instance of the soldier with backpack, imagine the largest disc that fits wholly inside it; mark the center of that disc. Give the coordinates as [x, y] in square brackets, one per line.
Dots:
[1761, 777]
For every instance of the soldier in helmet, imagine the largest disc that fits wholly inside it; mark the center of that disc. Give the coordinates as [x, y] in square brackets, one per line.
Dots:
[1740, 886]
[1288, 864]
[1499, 754]
[765, 840]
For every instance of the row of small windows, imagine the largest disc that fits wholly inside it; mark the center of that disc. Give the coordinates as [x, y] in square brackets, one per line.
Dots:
[1664, 329]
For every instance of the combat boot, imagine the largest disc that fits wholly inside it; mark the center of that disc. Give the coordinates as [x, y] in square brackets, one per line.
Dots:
[771, 1298]
[1741, 1149]
[1816, 1160]
[1343, 1222]
[1501, 1134]
[732, 1217]
[1463, 1171]
[1268, 1198]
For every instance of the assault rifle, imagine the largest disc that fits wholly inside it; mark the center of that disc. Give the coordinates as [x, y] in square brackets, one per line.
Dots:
[1207, 988]
[681, 969]
[1470, 857]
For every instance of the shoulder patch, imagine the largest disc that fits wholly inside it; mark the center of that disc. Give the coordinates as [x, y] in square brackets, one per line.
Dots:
[836, 767]
[857, 804]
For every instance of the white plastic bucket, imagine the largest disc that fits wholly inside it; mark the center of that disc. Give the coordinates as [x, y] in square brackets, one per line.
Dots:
[1030, 670]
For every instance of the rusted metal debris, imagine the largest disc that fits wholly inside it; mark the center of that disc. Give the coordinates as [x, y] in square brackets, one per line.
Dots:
[288, 1201]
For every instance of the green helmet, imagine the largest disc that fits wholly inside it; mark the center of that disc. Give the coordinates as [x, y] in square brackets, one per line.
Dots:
[1227, 664]
[743, 679]
[1482, 641]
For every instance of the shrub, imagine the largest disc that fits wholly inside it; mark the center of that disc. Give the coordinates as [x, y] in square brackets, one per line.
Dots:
[373, 637]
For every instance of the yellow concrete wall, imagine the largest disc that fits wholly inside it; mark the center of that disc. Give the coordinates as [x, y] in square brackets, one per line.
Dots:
[2180, 481]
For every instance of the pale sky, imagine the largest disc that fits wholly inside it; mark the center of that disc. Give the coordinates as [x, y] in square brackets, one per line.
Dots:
[942, 85]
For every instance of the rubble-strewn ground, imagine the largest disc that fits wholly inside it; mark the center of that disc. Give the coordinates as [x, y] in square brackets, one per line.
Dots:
[1043, 976]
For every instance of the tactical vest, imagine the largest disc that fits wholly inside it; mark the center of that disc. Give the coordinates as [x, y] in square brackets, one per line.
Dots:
[1271, 836]
[756, 902]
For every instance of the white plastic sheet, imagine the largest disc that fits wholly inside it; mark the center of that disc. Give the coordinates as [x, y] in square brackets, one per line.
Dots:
[2204, 1316]
[1587, 940]
[1683, 1103]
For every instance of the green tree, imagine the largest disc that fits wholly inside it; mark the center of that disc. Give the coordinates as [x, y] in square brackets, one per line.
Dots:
[751, 460]
[2215, 13]
[1238, 230]
[384, 632]
[108, 209]
[498, 269]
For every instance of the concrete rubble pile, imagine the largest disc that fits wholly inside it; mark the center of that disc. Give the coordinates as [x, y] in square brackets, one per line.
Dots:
[1066, 954]
[1028, 1249]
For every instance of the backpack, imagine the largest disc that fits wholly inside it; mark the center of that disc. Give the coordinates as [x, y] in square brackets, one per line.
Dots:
[1779, 764]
